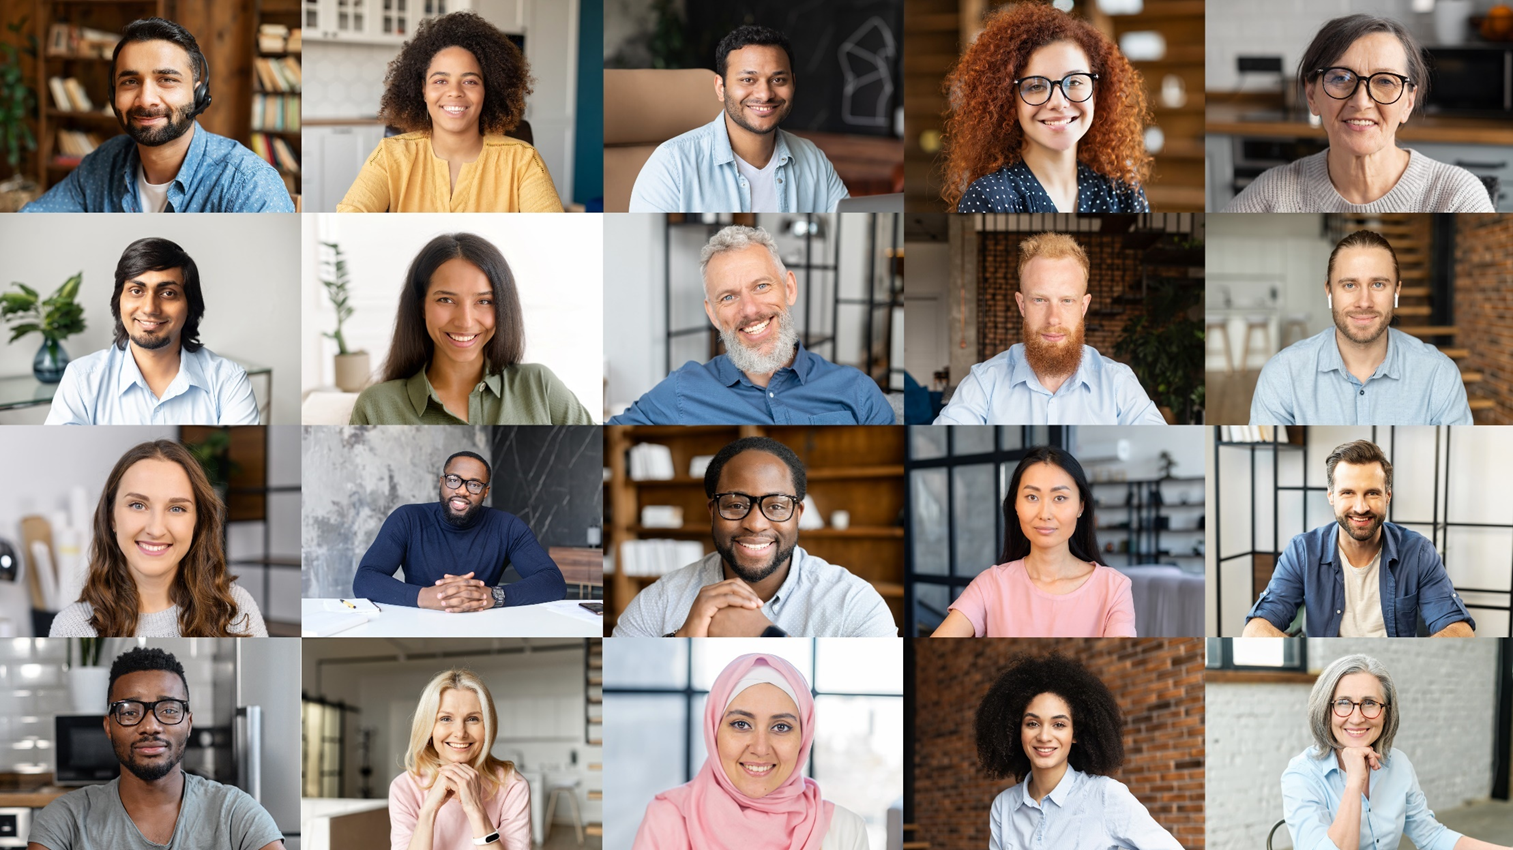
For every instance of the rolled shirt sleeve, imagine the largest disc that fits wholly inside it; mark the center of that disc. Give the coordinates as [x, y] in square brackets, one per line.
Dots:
[1279, 602]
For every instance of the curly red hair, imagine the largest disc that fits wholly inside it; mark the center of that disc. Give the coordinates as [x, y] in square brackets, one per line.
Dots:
[982, 132]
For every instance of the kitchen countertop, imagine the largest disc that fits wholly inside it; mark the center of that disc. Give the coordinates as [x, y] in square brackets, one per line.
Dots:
[1225, 117]
[29, 790]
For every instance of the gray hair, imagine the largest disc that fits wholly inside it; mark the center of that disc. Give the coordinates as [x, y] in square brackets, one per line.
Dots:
[738, 237]
[1320, 708]
[1336, 36]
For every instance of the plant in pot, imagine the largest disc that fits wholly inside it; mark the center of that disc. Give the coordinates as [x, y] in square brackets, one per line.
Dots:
[57, 318]
[1164, 345]
[88, 682]
[16, 104]
[352, 369]
[214, 456]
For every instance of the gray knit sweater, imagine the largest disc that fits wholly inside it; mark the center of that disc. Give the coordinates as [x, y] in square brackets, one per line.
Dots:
[1303, 186]
[73, 621]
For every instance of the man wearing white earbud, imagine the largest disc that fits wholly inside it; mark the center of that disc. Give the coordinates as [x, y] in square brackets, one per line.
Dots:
[1361, 371]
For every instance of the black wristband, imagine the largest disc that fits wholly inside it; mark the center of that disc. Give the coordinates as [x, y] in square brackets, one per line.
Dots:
[773, 631]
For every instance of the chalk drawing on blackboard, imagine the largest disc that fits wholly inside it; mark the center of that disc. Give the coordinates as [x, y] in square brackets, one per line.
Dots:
[865, 56]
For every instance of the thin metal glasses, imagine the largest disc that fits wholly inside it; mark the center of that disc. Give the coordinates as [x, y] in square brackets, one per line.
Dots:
[1384, 87]
[130, 712]
[777, 507]
[1037, 90]
[454, 481]
[1370, 708]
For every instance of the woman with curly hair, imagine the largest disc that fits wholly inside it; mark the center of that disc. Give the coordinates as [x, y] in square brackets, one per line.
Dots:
[1045, 116]
[455, 89]
[1055, 728]
[156, 566]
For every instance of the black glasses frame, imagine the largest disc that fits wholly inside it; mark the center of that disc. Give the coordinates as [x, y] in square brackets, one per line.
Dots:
[756, 501]
[448, 478]
[1406, 81]
[152, 707]
[1053, 85]
[1334, 706]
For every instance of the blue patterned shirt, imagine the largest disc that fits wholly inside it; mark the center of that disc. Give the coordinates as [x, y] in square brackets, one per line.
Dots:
[1014, 188]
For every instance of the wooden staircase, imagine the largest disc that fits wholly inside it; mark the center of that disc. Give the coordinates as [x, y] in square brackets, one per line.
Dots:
[915, 844]
[593, 717]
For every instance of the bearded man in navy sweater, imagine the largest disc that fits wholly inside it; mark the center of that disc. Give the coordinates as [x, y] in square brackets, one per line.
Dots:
[454, 551]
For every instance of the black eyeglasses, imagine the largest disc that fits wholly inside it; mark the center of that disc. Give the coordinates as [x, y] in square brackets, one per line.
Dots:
[454, 481]
[1037, 90]
[1370, 708]
[777, 507]
[130, 712]
[1383, 87]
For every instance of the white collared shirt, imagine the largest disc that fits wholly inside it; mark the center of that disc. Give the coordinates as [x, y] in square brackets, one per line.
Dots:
[1083, 812]
[107, 388]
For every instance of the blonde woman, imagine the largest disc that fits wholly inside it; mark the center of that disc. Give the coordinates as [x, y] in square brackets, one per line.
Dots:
[453, 793]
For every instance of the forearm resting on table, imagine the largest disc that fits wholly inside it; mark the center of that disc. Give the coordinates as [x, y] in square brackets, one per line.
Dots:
[1460, 628]
[1260, 627]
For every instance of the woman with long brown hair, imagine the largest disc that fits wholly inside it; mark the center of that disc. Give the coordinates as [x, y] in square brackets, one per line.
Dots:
[156, 566]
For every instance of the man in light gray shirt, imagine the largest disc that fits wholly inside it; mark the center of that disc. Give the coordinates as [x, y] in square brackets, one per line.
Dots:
[758, 582]
[1360, 372]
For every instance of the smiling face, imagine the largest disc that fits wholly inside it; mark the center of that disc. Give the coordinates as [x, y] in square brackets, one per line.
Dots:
[150, 749]
[1360, 498]
[1362, 291]
[747, 299]
[1048, 505]
[1359, 125]
[459, 505]
[1045, 731]
[1058, 124]
[154, 91]
[757, 89]
[153, 515]
[1356, 730]
[454, 91]
[1052, 300]
[154, 308]
[759, 740]
[459, 311]
[458, 735]
[755, 547]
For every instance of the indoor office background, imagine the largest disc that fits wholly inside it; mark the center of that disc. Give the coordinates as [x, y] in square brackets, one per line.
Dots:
[1257, 120]
[1266, 276]
[1146, 281]
[556, 261]
[51, 480]
[1257, 720]
[1156, 682]
[247, 265]
[1149, 509]
[850, 307]
[848, 95]
[654, 695]
[1447, 484]
[358, 699]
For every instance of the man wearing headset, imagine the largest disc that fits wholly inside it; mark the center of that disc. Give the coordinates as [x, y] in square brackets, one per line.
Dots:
[1360, 372]
[165, 162]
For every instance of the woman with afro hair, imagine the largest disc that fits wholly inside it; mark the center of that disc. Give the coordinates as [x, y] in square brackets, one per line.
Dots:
[1055, 728]
[1045, 115]
[454, 90]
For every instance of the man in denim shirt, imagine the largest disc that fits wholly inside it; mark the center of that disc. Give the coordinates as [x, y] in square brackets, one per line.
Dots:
[1372, 580]
[741, 161]
[165, 162]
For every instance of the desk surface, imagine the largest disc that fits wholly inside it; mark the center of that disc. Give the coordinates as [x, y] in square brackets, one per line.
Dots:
[549, 619]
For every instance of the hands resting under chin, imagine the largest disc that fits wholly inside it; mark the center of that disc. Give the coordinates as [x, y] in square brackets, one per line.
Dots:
[727, 609]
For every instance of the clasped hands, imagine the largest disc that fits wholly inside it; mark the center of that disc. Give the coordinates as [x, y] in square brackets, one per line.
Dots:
[455, 594]
[727, 609]
[455, 781]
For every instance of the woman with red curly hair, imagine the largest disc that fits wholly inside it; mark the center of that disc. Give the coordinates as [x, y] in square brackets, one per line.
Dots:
[1046, 116]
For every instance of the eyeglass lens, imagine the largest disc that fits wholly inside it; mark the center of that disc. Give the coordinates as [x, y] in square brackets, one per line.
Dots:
[1037, 90]
[776, 507]
[474, 485]
[1370, 708]
[131, 712]
[1341, 83]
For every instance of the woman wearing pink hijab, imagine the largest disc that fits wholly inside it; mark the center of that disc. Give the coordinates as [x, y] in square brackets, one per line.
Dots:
[751, 793]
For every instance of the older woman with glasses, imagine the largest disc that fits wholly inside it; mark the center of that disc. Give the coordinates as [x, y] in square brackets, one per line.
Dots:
[1363, 76]
[1352, 789]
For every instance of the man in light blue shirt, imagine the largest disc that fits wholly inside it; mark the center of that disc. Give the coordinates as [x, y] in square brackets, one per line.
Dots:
[1051, 378]
[741, 161]
[165, 162]
[765, 376]
[1360, 372]
[156, 371]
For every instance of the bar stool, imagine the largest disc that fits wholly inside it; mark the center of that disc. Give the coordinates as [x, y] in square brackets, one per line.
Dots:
[558, 785]
[1218, 326]
[1256, 323]
[1294, 322]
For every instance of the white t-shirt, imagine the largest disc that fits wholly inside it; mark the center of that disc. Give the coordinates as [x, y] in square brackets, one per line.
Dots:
[1363, 599]
[764, 189]
[154, 196]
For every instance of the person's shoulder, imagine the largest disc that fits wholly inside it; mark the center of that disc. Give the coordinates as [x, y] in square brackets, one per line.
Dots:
[1004, 361]
[217, 793]
[996, 191]
[223, 367]
[1447, 174]
[73, 621]
[79, 801]
[1271, 189]
[1103, 363]
[846, 823]
[1418, 349]
[1112, 578]
[820, 571]
[798, 145]
[378, 401]
[691, 141]
[497, 144]
[1407, 538]
[242, 598]
[89, 363]
[1305, 352]
[414, 512]
[536, 374]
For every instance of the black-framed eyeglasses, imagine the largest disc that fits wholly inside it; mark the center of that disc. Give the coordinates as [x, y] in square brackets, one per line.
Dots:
[1384, 87]
[1037, 90]
[130, 712]
[454, 481]
[777, 507]
[1370, 708]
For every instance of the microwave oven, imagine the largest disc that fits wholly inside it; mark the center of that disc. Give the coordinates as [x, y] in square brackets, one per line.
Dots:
[1471, 81]
[84, 755]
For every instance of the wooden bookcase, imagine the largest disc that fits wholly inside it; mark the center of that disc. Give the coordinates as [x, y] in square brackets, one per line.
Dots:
[287, 13]
[859, 469]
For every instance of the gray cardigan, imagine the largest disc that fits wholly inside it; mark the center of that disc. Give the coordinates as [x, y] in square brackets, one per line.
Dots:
[73, 621]
[1303, 186]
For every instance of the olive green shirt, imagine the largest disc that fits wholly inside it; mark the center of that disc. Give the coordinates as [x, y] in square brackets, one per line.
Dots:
[525, 394]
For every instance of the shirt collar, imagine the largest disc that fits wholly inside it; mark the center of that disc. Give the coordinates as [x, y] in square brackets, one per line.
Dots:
[1388, 555]
[1022, 373]
[804, 364]
[724, 154]
[1330, 360]
[1060, 795]
[419, 390]
[191, 372]
[176, 187]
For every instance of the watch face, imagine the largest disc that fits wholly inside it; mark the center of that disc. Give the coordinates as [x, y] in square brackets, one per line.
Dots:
[498, 596]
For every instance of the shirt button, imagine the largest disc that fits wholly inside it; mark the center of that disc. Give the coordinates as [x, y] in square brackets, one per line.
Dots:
[780, 179]
[772, 395]
[1363, 392]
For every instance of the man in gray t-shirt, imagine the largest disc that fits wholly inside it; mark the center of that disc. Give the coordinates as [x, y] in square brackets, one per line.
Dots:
[153, 803]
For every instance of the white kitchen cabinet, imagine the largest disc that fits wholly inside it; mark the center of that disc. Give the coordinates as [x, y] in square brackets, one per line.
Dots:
[372, 21]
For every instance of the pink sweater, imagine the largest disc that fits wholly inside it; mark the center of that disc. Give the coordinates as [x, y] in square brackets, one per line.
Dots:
[1003, 602]
[509, 810]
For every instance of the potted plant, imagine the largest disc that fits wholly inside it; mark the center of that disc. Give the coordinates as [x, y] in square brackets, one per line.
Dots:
[214, 456]
[56, 318]
[1164, 345]
[16, 103]
[351, 366]
[88, 682]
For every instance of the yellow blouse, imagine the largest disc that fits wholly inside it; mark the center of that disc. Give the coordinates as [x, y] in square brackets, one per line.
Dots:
[403, 175]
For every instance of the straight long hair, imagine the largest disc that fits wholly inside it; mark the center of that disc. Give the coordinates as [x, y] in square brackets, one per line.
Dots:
[201, 586]
[422, 760]
[1084, 541]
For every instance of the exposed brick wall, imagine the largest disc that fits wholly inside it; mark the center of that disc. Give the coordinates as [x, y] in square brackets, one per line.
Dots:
[1158, 682]
[1484, 308]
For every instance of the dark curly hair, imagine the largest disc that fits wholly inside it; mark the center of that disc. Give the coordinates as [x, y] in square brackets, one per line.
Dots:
[145, 658]
[506, 75]
[756, 444]
[1096, 721]
[982, 132]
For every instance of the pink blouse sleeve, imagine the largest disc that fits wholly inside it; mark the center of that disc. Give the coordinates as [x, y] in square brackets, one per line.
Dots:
[404, 811]
[973, 603]
[1120, 620]
[512, 814]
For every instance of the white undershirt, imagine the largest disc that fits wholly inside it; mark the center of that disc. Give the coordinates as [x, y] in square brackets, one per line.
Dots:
[153, 196]
[1363, 599]
[764, 190]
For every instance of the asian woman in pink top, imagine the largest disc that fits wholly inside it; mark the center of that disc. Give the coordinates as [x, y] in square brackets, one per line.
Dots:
[1048, 582]
[454, 794]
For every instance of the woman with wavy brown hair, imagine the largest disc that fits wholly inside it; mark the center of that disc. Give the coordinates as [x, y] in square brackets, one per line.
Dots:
[1045, 115]
[156, 566]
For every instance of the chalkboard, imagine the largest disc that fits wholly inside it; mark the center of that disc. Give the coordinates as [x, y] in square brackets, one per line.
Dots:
[552, 477]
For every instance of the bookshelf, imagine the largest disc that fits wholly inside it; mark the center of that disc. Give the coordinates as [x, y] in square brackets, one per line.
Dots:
[857, 469]
[1151, 508]
[277, 44]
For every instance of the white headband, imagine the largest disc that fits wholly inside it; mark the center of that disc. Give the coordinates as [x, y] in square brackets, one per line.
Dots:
[761, 674]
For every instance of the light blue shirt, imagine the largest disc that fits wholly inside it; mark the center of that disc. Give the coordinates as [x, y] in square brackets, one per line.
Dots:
[1004, 390]
[1307, 383]
[1083, 812]
[107, 388]
[696, 172]
[1311, 793]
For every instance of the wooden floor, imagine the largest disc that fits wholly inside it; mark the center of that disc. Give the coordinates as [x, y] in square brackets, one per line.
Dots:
[564, 837]
[1227, 397]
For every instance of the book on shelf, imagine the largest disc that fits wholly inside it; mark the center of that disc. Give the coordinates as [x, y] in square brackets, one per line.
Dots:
[74, 145]
[277, 73]
[275, 151]
[658, 557]
[69, 95]
[68, 40]
[275, 111]
[277, 38]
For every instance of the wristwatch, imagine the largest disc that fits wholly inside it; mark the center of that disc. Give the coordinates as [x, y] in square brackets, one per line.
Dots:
[487, 839]
[498, 599]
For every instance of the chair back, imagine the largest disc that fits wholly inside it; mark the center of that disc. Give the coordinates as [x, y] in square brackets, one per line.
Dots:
[642, 109]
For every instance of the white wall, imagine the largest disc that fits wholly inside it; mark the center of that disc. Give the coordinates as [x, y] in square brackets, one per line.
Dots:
[928, 346]
[1238, 27]
[558, 267]
[1252, 255]
[248, 264]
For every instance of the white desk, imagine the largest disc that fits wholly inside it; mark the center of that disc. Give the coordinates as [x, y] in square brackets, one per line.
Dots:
[549, 619]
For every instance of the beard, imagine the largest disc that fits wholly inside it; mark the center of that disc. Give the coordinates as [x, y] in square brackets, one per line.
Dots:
[733, 111]
[753, 361]
[1053, 358]
[1359, 534]
[178, 123]
[727, 553]
[1360, 336]
[464, 519]
[149, 771]
[151, 342]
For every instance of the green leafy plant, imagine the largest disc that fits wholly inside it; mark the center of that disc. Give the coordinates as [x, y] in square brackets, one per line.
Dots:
[89, 651]
[213, 454]
[57, 317]
[334, 278]
[1164, 345]
[16, 102]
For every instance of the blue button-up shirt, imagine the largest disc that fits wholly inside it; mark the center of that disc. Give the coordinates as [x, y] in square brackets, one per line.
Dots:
[1004, 390]
[1083, 812]
[218, 175]
[696, 172]
[1312, 789]
[1412, 580]
[813, 391]
[107, 388]
[1307, 384]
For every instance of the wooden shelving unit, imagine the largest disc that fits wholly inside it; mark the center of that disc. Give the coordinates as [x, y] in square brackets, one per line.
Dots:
[287, 13]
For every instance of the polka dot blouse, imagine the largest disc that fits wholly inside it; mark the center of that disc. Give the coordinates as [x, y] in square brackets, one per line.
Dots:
[1015, 189]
